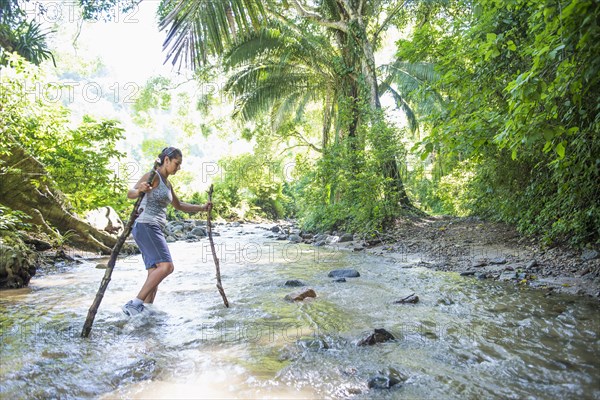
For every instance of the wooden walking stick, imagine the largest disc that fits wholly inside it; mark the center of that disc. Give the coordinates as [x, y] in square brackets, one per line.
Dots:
[89, 321]
[212, 248]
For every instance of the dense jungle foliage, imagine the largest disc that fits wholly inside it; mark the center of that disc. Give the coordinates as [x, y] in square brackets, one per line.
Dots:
[500, 103]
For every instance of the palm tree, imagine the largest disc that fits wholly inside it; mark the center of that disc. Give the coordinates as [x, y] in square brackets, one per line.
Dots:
[281, 70]
[199, 29]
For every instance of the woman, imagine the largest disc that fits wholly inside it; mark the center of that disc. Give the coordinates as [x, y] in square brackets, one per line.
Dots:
[147, 230]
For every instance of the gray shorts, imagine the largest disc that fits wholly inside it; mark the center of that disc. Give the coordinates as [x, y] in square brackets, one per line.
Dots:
[152, 244]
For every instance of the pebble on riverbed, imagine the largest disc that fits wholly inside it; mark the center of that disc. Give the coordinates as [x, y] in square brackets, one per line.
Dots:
[410, 299]
[344, 273]
[294, 283]
[378, 336]
[301, 295]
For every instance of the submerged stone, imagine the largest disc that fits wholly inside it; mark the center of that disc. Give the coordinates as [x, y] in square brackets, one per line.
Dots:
[378, 336]
[411, 299]
[18, 263]
[382, 382]
[294, 283]
[343, 273]
[299, 296]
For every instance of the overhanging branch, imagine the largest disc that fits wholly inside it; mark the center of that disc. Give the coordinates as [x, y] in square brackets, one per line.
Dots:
[317, 18]
[387, 20]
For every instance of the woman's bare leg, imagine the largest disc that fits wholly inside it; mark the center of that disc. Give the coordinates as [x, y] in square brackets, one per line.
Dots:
[150, 298]
[154, 278]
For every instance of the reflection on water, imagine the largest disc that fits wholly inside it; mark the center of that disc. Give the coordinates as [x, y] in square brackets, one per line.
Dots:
[465, 339]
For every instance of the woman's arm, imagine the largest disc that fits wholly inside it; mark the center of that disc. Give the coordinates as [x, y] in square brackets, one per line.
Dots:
[141, 186]
[187, 207]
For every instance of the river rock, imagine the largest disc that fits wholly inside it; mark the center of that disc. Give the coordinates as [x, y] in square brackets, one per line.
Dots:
[498, 260]
[467, 273]
[294, 238]
[301, 295]
[346, 237]
[382, 382]
[130, 248]
[410, 299]
[294, 283]
[101, 266]
[18, 264]
[320, 237]
[199, 231]
[507, 276]
[105, 219]
[588, 255]
[174, 227]
[378, 336]
[531, 264]
[343, 273]
[340, 280]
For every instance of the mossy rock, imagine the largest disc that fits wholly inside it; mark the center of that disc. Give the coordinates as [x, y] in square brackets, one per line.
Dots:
[18, 263]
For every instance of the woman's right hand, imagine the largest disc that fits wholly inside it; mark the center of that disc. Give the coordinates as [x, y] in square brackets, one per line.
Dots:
[145, 187]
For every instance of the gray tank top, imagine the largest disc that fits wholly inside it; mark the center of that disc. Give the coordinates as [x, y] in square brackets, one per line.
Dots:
[154, 204]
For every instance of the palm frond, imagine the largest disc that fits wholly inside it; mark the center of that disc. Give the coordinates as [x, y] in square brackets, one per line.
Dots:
[259, 100]
[401, 104]
[253, 46]
[410, 84]
[197, 29]
[27, 39]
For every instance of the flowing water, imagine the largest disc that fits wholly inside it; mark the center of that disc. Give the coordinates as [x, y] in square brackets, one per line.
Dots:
[465, 339]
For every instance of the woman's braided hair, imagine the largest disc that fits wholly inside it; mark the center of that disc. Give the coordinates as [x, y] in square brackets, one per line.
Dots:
[171, 152]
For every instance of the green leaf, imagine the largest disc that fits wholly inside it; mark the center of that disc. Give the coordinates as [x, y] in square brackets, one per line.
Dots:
[547, 146]
[560, 149]
[511, 45]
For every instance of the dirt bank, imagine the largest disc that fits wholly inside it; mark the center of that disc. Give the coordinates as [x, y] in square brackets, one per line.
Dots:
[484, 250]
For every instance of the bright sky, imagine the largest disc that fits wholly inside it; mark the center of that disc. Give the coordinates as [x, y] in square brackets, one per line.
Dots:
[131, 45]
[130, 49]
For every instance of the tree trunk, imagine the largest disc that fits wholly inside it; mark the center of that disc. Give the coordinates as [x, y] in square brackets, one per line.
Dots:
[27, 187]
[395, 190]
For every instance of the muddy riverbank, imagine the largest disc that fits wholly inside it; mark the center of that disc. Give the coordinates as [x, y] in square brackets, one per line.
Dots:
[477, 249]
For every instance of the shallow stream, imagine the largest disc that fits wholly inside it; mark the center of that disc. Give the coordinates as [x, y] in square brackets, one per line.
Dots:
[465, 339]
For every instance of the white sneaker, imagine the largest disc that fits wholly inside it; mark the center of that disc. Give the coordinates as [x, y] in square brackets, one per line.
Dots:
[131, 309]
